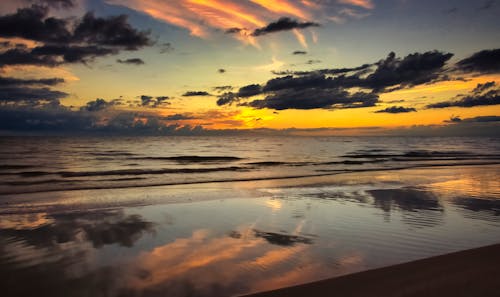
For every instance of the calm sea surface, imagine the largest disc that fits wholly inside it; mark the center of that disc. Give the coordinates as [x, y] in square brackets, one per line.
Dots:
[223, 216]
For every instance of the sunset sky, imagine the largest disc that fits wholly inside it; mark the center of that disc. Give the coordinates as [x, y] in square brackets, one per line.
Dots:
[192, 66]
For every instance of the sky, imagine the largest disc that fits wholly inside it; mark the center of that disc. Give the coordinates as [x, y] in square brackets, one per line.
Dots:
[202, 67]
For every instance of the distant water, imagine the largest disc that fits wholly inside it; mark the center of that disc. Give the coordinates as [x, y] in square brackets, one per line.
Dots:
[36, 164]
[140, 216]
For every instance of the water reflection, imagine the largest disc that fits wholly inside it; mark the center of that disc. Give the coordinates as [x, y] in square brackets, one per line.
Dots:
[100, 228]
[223, 247]
[282, 239]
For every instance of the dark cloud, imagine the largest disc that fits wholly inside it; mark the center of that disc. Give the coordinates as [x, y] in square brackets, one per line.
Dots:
[479, 119]
[312, 98]
[45, 118]
[32, 23]
[96, 105]
[221, 70]
[10, 81]
[328, 88]
[195, 93]
[110, 31]
[132, 61]
[283, 24]
[166, 48]
[486, 61]
[56, 119]
[162, 98]
[54, 3]
[28, 95]
[487, 5]
[249, 91]
[482, 95]
[227, 98]
[222, 88]
[161, 101]
[25, 57]
[414, 69]
[299, 53]
[178, 117]
[146, 100]
[233, 30]
[483, 87]
[482, 119]
[310, 62]
[67, 41]
[150, 101]
[332, 71]
[72, 54]
[451, 10]
[396, 109]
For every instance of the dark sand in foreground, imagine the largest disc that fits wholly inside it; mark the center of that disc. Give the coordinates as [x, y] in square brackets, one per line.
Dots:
[468, 273]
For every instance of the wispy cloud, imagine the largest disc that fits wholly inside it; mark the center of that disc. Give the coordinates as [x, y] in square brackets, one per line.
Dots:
[203, 17]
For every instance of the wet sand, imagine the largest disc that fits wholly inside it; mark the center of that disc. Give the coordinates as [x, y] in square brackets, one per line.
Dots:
[474, 272]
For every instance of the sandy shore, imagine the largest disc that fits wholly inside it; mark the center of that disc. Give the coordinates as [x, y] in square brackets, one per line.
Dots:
[468, 273]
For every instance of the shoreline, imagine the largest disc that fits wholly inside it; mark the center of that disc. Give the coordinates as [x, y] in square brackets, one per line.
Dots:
[473, 272]
[202, 182]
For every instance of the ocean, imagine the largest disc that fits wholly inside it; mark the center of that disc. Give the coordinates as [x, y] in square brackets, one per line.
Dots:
[224, 216]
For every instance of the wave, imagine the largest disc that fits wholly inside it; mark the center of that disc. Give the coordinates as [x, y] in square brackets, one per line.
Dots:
[129, 172]
[222, 180]
[192, 159]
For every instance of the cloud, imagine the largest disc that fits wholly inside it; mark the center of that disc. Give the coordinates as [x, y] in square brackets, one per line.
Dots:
[311, 98]
[483, 87]
[29, 95]
[299, 53]
[249, 91]
[10, 81]
[283, 24]
[482, 119]
[195, 93]
[132, 61]
[222, 88]
[227, 98]
[96, 105]
[32, 23]
[57, 119]
[367, 4]
[66, 41]
[166, 48]
[482, 95]
[145, 100]
[110, 31]
[414, 69]
[331, 71]
[178, 117]
[54, 3]
[340, 87]
[396, 109]
[485, 61]
[487, 5]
